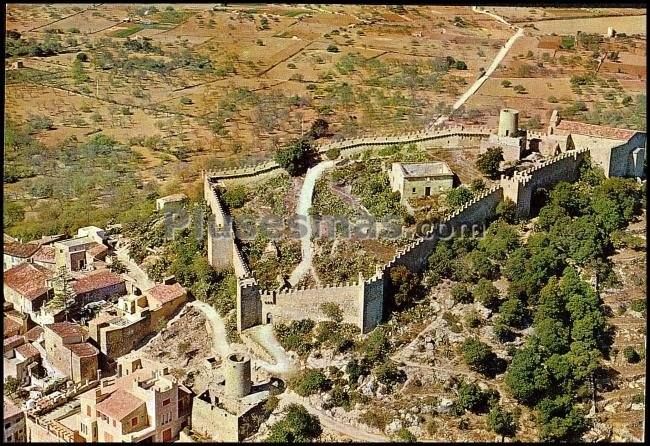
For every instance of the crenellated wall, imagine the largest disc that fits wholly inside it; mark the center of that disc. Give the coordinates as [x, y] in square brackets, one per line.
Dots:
[301, 303]
[520, 187]
[363, 302]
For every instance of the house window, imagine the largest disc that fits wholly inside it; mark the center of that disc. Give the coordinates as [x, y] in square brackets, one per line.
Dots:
[166, 402]
[413, 190]
[88, 410]
[7, 425]
[114, 423]
[134, 421]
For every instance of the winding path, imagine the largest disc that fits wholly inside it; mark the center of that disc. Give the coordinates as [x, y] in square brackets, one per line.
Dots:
[327, 421]
[302, 212]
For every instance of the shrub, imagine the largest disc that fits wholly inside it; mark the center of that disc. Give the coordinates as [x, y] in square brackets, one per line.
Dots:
[552, 100]
[639, 305]
[487, 294]
[185, 100]
[235, 197]
[461, 294]
[506, 83]
[631, 355]
[332, 311]
[332, 48]
[388, 374]
[472, 398]
[460, 65]
[291, 66]
[297, 426]
[333, 153]
[519, 89]
[294, 157]
[477, 355]
[309, 382]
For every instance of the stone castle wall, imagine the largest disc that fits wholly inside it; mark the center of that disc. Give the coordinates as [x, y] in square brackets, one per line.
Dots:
[363, 302]
[302, 303]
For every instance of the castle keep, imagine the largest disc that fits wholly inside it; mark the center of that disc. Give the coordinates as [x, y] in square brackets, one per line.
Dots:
[619, 152]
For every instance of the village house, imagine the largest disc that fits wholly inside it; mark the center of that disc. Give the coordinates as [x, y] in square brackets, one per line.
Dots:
[416, 180]
[20, 358]
[14, 253]
[68, 352]
[26, 287]
[14, 423]
[14, 322]
[119, 329]
[77, 254]
[97, 285]
[140, 404]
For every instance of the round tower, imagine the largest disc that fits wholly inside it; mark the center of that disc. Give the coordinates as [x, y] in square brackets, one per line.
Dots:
[237, 371]
[508, 122]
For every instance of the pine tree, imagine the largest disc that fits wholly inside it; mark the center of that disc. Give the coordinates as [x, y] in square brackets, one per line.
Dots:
[63, 291]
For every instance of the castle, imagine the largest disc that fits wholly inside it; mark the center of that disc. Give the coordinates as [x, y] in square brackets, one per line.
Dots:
[619, 152]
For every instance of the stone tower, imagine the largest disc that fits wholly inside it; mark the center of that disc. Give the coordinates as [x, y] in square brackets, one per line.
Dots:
[508, 122]
[237, 371]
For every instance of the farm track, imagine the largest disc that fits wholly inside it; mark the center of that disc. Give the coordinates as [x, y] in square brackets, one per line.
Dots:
[64, 18]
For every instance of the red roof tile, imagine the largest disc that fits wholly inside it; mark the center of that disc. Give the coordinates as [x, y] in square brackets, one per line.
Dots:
[44, 254]
[96, 281]
[98, 250]
[33, 334]
[17, 249]
[28, 351]
[599, 131]
[165, 293]
[28, 280]
[65, 329]
[14, 341]
[83, 349]
[119, 405]
[11, 327]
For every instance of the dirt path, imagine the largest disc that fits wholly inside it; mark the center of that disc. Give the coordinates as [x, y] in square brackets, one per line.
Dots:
[495, 63]
[141, 279]
[264, 336]
[327, 421]
[219, 336]
[302, 212]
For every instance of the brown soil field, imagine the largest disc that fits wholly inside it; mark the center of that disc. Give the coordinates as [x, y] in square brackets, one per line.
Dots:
[628, 25]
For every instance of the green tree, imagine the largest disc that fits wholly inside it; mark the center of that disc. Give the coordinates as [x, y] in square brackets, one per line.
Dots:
[77, 72]
[297, 426]
[507, 210]
[236, 196]
[631, 355]
[506, 83]
[512, 313]
[502, 422]
[559, 420]
[553, 335]
[526, 377]
[117, 266]
[487, 294]
[488, 162]
[472, 398]
[376, 346]
[319, 128]
[478, 355]
[11, 385]
[500, 240]
[404, 286]
[458, 196]
[63, 293]
[294, 157]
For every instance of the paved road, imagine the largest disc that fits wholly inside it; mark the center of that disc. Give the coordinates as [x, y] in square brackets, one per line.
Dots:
[495, 63]
[302, 212]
